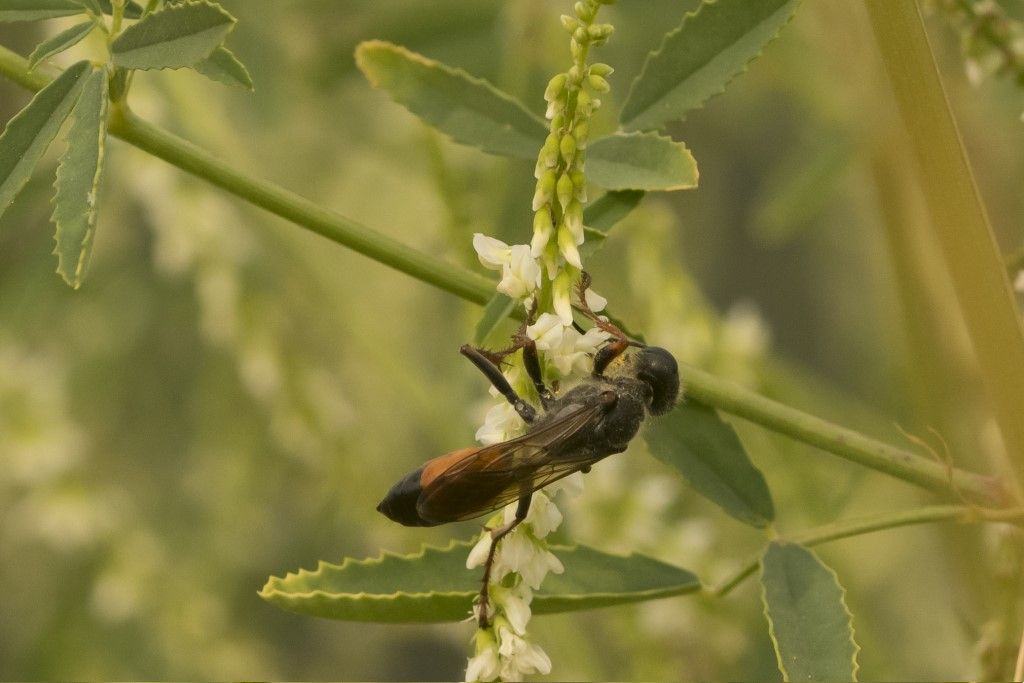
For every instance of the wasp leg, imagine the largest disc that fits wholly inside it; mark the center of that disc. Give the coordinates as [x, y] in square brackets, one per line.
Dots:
[532, 363]
[496, 535]
[608, 353]
[493, 373]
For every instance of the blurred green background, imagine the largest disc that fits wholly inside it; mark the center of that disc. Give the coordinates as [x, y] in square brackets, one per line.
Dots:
[227, 397]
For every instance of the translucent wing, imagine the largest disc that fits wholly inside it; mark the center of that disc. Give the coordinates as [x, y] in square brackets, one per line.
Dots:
[496, 475]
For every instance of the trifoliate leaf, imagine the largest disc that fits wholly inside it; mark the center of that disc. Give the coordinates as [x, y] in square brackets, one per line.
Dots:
[30, 132]
[713, 45]
[809, 623]
[78, 180]
[174, 37]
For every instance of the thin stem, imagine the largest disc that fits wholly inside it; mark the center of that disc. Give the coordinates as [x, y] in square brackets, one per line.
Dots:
[957, 215]
[866, 525]
[475, 288]
[846, 443]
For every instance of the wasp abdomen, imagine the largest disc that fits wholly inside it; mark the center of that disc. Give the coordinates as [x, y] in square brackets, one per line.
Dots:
[401, 502]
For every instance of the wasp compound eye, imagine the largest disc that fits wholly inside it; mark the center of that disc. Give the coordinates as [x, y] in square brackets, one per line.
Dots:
[658, 368]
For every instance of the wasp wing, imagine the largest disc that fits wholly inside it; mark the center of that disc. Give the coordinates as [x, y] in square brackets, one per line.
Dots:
[498, 474]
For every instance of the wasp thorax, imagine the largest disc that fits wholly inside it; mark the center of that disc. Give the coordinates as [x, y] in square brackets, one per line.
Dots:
[658, 368]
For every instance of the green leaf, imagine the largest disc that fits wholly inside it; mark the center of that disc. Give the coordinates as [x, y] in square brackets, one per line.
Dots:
[435, 586]
[32, 129]
[602, 215]
[469, 110]
[809, 623]
[223, 66]
[699, 58]
[31, 10]
[60, 42]
[78, 179]
[640, 161]
[708, 453]
[175, 37]
[496, 310]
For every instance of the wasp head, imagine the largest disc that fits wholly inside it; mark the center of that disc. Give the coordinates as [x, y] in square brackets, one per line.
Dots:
[658, 368]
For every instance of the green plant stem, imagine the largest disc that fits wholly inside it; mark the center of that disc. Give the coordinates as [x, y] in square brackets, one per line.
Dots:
[840, 441]
[866, 525]
[299, 210]
[275, 199]
[957, 216]
[700, 385]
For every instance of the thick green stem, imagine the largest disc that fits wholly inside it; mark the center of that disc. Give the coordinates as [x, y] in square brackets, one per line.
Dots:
[957, 215]
[866, 525]
[300, 210]
[840, 441]
[700, 385]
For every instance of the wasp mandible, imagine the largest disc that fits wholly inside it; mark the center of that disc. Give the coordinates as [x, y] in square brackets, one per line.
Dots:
[594, 419]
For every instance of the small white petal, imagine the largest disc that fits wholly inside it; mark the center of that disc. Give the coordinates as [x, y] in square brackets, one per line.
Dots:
[493, 253]
[562, 302]
[547, 331]
[595, 300]
[484, 666]
[478, 555]
[567, 247]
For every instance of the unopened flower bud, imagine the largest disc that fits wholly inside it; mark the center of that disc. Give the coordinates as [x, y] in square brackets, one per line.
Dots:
[584, 11]
[555, 87]
[545, 189]
[569, 23]
[598, 83]
[579, 181]
[567, 247]
[567, 147]
[581, 132]
[601, 69]
[581, 35]
[584, 104]
[572, 219]
[599, 31]
[549, 152]
[565, 190]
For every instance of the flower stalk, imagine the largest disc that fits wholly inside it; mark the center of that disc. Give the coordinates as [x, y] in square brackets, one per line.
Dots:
[542, 275]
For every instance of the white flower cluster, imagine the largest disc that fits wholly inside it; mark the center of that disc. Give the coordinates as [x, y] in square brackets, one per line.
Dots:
[505, 650]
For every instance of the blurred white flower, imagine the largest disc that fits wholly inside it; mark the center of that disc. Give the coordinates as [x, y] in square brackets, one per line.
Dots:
[1019, 282]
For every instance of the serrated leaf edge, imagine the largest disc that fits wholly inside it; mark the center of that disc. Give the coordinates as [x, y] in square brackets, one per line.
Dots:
[77, 33]
[842, 602]
[177, 7]
[269, 590]
[671, 141]
[247, 84]
[18, 119]
[452, 70]
[93, 209]
[654, 54]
